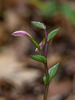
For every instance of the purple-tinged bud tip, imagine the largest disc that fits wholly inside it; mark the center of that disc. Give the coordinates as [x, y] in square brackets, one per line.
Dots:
[21, 33]
[41, 46]
[36, 50]
[42, 43]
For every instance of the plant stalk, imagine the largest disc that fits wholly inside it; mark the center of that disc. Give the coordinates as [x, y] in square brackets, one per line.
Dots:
[46, 92]
[46, 45]
[46, 68]
[46, 86]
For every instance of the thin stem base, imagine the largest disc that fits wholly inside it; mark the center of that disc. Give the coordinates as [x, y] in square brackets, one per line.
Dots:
[46, 92]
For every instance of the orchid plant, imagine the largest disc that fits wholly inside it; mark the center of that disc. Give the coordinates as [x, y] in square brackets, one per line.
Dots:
[49, 73]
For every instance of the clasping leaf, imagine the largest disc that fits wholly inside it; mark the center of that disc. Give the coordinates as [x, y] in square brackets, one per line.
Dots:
[52, 71]
[39, 25]
[39, 58]
[52, 34]
[46, 79]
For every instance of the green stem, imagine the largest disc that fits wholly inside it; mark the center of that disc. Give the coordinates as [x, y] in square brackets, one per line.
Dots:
[46, 92]
[40, 52]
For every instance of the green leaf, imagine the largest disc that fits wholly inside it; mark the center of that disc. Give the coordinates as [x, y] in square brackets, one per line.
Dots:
[38, 25]
[39, 58]
[52, 34]
[44, 79]
[52, 71]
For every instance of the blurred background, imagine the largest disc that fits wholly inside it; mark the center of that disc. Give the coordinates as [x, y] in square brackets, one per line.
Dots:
[20, 76]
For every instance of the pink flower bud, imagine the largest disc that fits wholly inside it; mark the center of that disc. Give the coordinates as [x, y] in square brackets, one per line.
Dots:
[21, 33]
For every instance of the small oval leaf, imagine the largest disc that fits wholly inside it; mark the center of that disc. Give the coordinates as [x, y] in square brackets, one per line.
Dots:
[52, 34]
[52, 71]
[39, 25]
[39, 58]
[45, 79]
